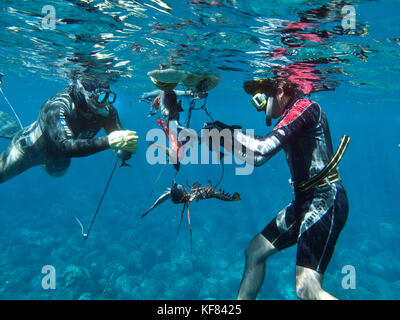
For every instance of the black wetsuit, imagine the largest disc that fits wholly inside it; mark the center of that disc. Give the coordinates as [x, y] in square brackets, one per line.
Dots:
[315, 217]
[65, 128]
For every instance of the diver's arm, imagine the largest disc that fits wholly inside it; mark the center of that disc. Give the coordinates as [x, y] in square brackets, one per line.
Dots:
[112, 122]
[155, 93]
[189, 93]
[56, 122]
[151, 94]
[253, 158]
[257, 150]
[184, 93]
[299, 118]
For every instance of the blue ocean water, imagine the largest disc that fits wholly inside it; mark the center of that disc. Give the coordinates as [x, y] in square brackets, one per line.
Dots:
[131, 258]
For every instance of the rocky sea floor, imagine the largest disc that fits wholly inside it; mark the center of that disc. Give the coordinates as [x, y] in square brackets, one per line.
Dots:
[152, 260]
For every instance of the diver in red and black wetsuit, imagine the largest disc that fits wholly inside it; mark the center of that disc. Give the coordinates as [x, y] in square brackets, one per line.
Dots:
[316, 216]
[319, 210]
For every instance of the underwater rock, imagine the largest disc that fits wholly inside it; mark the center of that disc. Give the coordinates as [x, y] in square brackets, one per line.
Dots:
[365, 247]
[378, 265]
[283, 280]
[165, 271]
[85, 296]
[125, 283]
[135, 263]
[347, 256]
[209, 289]
[395, 286]
[189, 287]
[62, 253]
[386, 231]
[287, 291]
[361, 294]
[377, 286]
[231, 282]
[169, 294]
[3, 260]
[374, 267]
[150, 289]
[152, 254]
[74, 277]
[31, 237]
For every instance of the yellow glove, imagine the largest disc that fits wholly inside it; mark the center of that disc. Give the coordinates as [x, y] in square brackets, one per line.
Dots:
[125, 140]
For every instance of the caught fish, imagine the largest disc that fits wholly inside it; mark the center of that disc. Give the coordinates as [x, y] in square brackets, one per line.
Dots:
[178, 194]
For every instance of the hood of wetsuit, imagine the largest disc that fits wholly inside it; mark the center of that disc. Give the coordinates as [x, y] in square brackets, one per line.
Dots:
[95, 94]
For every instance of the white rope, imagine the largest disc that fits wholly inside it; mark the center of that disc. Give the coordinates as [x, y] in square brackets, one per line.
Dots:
[82, 230]
[15, 114]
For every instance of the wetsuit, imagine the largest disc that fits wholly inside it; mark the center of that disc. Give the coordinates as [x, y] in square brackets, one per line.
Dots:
[315, 217]
[65, 128]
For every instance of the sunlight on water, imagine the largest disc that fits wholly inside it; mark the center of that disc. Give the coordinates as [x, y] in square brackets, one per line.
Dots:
[124, 38]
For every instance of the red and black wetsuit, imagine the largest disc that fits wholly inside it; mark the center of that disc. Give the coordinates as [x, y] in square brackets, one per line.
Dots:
[315, 218]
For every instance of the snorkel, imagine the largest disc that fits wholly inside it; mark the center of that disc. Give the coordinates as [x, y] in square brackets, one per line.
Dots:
[268, 111]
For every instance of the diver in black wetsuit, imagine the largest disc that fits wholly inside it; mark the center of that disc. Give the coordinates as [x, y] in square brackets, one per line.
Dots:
[319, 210]
[66, 127]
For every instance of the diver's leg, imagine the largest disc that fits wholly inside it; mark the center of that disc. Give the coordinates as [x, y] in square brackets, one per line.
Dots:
[257, 252]
[309, 285]
[57, 167]
[279, 234]
[318, 235]
[13, 162]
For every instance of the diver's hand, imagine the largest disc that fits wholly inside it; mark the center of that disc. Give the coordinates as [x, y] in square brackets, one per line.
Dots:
[125, 140]
[220, 126]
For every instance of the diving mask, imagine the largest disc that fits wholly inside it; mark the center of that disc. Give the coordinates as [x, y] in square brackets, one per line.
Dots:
[102, 96]
[259, 101]
[98, 97]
